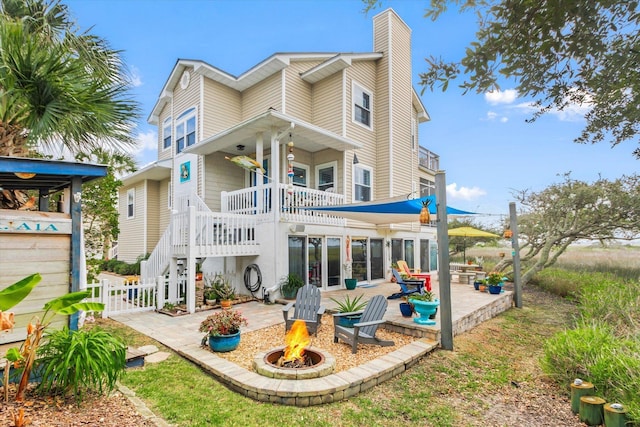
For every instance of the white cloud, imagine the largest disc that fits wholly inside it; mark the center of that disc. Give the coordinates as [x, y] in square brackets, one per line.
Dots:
[464, 193]
[134, 75]
[147, 141]
[492, 116]
[501, 97]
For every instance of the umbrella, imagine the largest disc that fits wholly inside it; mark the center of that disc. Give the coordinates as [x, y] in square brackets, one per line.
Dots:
[469, 232]
[388, 211]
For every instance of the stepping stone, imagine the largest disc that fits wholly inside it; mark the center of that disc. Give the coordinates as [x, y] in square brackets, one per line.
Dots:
[148, 349]
[159, 356]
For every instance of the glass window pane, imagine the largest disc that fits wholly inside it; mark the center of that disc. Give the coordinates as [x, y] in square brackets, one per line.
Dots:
[299, 176]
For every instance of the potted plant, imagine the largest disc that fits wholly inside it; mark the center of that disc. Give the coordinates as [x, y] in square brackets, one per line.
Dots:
[406, 308]
[289, 285]
[217, 286]
[350, 305]
[494, 281]
[425, 305]
[222, 330]
[224, 292]
[210, 296]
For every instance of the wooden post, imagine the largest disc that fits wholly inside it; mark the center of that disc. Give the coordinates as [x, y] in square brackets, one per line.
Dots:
[579, 389]
[615, 415]
[591, 410]
[446, 316]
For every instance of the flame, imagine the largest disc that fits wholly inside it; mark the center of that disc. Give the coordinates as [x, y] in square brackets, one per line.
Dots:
[297, 339]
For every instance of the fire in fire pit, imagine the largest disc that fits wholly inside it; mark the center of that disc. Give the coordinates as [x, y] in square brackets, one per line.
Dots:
[297, 339]
[297, 360]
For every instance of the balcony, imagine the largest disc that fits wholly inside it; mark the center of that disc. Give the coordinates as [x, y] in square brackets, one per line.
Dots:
[258, 201]
[428, 159]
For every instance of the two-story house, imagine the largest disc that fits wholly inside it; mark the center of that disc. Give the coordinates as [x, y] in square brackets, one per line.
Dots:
[328, 129]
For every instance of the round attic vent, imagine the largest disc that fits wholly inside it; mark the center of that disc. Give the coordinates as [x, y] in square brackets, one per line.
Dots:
[184, 81]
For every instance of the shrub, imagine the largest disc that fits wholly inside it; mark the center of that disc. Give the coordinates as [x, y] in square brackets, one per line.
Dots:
[78, 360]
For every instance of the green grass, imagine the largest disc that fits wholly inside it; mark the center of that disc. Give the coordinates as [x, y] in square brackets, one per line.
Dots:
[444, 389]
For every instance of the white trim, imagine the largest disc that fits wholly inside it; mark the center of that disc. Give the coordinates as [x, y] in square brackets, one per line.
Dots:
[332, 164]
[344, 103]
[145, 223]
[131, 191]
[184, 117]
[353, 182]
[390, 80]
[162, 135]
[369, 92]
[307, 174]
[283, 90]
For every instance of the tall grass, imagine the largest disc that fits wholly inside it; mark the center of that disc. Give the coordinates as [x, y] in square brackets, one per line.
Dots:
[604, 347]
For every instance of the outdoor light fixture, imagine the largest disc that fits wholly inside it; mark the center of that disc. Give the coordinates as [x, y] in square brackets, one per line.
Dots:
[355, 159]
[240, 147]
[24, 175]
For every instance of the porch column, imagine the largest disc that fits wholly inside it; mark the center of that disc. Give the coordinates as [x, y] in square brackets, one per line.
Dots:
[191, 261]
[259, 175]
[275, 179]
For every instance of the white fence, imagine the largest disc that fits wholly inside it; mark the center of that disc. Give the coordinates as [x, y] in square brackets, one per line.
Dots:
[127, 296]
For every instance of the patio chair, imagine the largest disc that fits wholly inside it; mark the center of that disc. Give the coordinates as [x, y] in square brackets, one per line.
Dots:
[405, 285]
[404, 267]
[306, 307]
[363, 332]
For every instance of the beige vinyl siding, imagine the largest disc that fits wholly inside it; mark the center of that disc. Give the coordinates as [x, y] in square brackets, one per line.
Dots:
[222, 175]
[327, 103]
[24, 254]
[153, 205]
[222, 108]
[327, 156]
[384, 168]
[162, 153]
[362, 73]
[402, 107]
[164, 213]
[131, 245]
[183, 99]
[297, 91]
[262, 96]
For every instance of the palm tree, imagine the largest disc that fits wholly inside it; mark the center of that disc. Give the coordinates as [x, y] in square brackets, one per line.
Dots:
[58, 87]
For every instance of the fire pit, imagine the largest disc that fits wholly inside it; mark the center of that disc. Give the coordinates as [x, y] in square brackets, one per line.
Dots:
[297, 360]
[322, 364]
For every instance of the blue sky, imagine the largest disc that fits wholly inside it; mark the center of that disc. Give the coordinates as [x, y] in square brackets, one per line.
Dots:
[485, 146]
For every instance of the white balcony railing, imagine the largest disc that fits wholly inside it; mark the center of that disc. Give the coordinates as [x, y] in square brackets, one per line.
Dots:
[257, 201]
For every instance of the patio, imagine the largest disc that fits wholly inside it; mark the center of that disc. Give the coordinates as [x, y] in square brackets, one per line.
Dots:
[469, 308]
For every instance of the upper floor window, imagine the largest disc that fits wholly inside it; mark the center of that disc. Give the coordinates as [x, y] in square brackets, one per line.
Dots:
[427, 187]
[300, 175]
[131, 199]
[186, 130]
[361, 105]
[361, 183]
[166, 133]
[326, 176]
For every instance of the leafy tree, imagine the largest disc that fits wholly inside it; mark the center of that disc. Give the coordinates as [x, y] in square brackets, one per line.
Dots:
[572, 210]
[560, 53]
[58, 86]
[100, 200]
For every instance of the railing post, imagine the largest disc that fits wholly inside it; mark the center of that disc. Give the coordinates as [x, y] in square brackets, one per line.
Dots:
[160, 297]
[191, 261]
[143, 270]
[104, 297]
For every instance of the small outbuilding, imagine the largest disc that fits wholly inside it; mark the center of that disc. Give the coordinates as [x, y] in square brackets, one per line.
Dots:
[35, 238]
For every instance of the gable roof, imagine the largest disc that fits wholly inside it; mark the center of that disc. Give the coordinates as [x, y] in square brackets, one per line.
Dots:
[332, 62]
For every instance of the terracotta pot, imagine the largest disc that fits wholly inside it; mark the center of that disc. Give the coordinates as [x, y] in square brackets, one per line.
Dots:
[225, 303]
